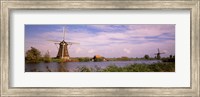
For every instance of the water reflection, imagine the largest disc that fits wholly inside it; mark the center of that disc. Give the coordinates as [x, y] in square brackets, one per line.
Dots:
[48, 69]
[62, 68]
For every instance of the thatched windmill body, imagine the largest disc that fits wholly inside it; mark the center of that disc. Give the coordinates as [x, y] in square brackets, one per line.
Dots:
[63, 47]
[63, 50]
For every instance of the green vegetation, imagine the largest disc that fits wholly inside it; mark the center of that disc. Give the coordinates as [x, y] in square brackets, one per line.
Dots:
[83, 59]
[146, 57]
[123, 59]
[158, 57]
[47, 57]
[87, 69]
[84, 69]
[98, 59]
[33, 56]
[130, 59]
[57, 60]
[167, 65]
[169, 59]
[156, 67]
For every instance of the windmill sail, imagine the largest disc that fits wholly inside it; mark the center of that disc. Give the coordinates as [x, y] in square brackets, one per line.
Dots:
[63, 50]
[158, 54]
[54, 40]
[70, 43]
[63, 46]
[63, 33]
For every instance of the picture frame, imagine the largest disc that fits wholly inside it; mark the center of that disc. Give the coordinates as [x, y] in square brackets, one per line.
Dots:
[7, 7]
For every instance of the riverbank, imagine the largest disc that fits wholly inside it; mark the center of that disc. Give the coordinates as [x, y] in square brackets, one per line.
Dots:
[156, 67]
[90, 59]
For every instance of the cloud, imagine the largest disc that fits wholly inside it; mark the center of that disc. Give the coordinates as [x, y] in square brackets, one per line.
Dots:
[91, 51]
[136, 35]
[109, 40]
[165, 51]
[78, 50]
[127, 50]
[151, 30]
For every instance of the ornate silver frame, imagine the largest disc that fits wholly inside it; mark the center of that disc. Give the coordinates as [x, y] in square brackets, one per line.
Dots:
[8, 5]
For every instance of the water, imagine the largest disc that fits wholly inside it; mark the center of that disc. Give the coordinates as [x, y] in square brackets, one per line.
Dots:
[73, 66]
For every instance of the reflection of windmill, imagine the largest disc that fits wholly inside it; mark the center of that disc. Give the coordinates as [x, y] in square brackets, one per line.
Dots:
[63, 49]
[158, 54]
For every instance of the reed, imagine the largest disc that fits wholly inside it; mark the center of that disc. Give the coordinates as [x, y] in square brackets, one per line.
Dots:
[156, 67]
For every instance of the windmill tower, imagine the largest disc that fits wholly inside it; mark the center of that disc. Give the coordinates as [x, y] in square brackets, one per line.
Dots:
[63, 50]
[63, 47]
[158, 54]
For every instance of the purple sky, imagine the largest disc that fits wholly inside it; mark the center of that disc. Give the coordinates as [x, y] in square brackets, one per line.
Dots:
[107, 40]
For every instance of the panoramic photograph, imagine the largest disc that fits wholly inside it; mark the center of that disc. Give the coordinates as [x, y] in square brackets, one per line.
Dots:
[99, 47]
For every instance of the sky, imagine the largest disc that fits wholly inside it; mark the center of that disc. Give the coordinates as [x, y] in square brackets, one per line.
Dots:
[108, 40]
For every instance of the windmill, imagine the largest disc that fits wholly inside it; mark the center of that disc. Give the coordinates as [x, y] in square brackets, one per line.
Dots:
[63, 47]
[158, 54]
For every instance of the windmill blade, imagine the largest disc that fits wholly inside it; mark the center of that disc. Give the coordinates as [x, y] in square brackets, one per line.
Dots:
[57, 45]
[54, 40]
[70, 43]
[158, 50]
[63, 33]
[75, 43]
[162, 53]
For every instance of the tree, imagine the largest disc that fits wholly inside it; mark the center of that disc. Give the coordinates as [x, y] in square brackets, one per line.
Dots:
[33, 55]
[98, 59]
[146, 56]
[84, 59]
[47, 57]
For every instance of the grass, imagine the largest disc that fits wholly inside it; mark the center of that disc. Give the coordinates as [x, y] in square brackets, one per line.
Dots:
[156, 67]
[57, 60]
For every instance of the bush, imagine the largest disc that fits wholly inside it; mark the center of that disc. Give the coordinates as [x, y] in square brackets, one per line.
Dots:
[163, 67]
[156, 67]
[47, 57]
[112, 68]
[86, 59]
[123, 59]
[169, 59]
[58, 60]
[98, 59]
[33, 56]
[84, 69]
[146, 57]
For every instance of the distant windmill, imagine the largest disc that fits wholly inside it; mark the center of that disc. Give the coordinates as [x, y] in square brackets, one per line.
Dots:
[158, 54]
[63, 47]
